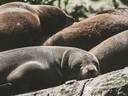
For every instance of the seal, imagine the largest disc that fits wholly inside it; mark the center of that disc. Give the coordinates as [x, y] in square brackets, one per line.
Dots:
[23, 24]
[32, 68]
[112, 53]
[89, 32]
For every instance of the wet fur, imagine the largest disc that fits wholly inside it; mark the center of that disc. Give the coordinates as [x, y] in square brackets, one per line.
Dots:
[112, 53]
[34, 68]
[23, 24]
[88, 33]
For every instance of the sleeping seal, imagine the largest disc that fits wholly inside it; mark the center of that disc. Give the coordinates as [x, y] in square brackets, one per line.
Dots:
[31, 68]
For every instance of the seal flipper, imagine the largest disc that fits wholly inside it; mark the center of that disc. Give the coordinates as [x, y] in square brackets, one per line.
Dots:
[5, 89]
[23, 78]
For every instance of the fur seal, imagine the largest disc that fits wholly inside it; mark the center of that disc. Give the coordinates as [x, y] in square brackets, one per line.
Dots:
[88, 33]
[23, 24]
[32, 68]
[112, 53]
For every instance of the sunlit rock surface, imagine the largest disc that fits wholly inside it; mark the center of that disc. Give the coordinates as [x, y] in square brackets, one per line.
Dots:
[87, 8]
[111, 84]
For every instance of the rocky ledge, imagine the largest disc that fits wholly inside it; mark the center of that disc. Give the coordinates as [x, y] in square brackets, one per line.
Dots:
[111, 84]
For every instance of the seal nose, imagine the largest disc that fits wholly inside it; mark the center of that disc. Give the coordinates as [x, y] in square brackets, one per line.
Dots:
[69, 21]
[91, 71]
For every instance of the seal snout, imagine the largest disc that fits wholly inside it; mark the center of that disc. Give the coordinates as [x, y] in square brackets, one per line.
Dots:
[69, 21]
[90, 71]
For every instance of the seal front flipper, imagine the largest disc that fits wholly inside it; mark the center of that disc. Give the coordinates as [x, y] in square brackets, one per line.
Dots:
[5, 89]
[25, 77]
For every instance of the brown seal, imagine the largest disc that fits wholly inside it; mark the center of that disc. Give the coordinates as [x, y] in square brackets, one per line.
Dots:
[112, 53]
[32, 68]
[91, 31]
[23, 24]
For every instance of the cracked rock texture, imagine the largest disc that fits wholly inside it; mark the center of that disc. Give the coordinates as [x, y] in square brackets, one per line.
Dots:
[111, 84]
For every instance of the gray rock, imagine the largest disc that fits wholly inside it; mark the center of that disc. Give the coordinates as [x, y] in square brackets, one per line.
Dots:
[111, 84]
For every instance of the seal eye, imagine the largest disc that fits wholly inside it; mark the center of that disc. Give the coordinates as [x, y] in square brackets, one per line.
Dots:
[76, 68]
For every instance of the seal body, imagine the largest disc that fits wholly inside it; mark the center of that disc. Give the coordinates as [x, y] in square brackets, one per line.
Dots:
[88, 33]
[23, 24]
[112, 53]
[33, 68]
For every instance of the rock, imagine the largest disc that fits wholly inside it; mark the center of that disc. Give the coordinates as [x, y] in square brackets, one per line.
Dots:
[70, 88]
[111, 84]
[81, 9]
